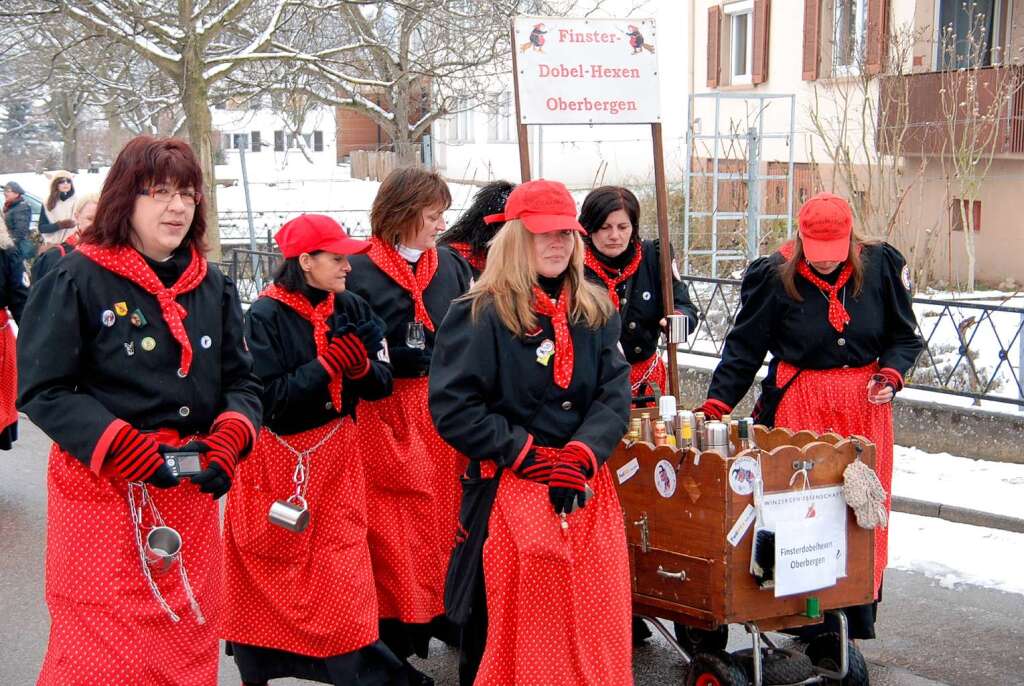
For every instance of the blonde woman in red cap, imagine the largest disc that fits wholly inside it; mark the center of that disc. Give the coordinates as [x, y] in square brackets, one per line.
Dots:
[834, 311]
[529, 382]
[300, 597]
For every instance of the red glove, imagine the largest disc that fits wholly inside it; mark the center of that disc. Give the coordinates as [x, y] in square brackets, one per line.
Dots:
[568, 483]
[136, 457]
[537, 465]
[714, 409]
[346, 355]
[892, 377]
[224, 448]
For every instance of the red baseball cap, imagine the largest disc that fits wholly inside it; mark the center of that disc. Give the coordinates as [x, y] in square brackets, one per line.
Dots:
[312, 232]
[543, 206]
[826, 222]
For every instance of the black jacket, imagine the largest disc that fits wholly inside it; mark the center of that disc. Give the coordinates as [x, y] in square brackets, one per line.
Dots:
[490, 397]
[641, 305]
[295, 385]
[394, 305]
[93, 374]
[48, 259]
[13, 283]
[882, 324]
[19, 219]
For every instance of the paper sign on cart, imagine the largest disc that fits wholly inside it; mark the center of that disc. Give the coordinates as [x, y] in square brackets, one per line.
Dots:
[805, 554]
[823, 505]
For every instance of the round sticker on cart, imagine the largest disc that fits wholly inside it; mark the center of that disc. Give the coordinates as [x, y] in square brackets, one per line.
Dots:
[206, 342]
[742, 474]
[665, 478]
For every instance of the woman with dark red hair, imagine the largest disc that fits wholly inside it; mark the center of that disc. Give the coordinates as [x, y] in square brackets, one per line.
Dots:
[834, 310]
[148, 393]
[629, 268]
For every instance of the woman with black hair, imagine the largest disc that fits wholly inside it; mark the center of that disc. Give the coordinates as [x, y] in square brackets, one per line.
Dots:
[630, 269]
[301, 601]
[471, 234]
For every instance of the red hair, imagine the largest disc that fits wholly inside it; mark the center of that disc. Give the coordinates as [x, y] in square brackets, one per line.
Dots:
[146, 161]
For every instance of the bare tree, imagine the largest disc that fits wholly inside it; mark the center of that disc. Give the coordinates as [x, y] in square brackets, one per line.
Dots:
[978, 87]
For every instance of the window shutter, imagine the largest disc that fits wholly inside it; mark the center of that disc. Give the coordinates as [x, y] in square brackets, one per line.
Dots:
[876, 35]
[762, 24]
[714, 45]
[279, 141]
[318, 141]
[812, 39]
[254, 136]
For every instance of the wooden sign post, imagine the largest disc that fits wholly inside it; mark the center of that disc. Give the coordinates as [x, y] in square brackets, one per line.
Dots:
[594, 71]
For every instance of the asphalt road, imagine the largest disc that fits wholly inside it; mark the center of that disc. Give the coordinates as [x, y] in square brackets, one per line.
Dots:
[928, 634]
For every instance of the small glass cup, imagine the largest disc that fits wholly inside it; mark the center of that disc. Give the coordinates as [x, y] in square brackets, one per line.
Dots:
[878, 384]
[415, 335]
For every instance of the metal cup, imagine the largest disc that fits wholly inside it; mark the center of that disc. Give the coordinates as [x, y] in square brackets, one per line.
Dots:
[291, 514]
[678, 328]
[717, 438]
[162, 547]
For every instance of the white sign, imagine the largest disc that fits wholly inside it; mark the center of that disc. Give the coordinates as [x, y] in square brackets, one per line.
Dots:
[739, 529]
[587, 71]
[805, 557]
[825, 506]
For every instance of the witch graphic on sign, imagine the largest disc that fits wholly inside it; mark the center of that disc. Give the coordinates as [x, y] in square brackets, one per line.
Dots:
[536, 39]
[636, 40]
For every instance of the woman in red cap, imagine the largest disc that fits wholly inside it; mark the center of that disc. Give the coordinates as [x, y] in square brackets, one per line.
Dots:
[834, 310]
[528, 381]
[411, 474]
[145, 357]
[300, 598]
[630, 269]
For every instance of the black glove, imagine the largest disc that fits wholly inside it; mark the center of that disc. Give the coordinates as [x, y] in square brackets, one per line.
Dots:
[372, 336]
[535, 468]
[409, 362]
[163, 477]
[342, 326]
[213, 480]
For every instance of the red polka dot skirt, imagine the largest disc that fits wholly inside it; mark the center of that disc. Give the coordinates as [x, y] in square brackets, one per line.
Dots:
[310, 593]
[412, 493]
[837, 400]
[8, 374]
[558, 600]
[107, 627]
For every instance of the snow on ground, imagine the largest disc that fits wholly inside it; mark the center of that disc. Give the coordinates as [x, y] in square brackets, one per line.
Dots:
[956, 554]
[994, 487]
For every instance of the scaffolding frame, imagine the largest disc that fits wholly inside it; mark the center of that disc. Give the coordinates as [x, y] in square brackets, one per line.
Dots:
[754, 137]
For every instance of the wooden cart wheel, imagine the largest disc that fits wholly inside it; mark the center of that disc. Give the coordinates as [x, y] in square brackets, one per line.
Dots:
[715, 669]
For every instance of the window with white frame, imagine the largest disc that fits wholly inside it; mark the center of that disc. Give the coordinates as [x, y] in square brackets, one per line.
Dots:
[499, 120]
[740, 17]
[234, 141]
[849, 20]
[460, 127]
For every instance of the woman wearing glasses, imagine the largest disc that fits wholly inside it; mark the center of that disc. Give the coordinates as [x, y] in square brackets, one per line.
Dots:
[146, 359]
[412, 476]
[57, 218]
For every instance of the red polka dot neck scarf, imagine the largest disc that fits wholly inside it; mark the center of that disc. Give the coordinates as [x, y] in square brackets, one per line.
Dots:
[838, 317]
[129, 264]
[466, 250]
[612, 282]
[317, 317]
[394, 265]
[559, 314]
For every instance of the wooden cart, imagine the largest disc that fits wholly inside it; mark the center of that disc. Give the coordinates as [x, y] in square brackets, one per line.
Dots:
[684, 570]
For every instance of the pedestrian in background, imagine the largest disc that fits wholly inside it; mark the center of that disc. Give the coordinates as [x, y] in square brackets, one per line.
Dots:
[57, 216]
[13, 294]
[470, 235]
[84, 214]
[144, 355]
[18, 217]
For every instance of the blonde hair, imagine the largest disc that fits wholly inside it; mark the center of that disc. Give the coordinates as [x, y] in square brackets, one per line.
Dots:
[508, 280]
[84, 200]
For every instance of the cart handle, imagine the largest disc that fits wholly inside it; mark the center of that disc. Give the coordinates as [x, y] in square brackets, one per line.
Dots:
[679, 576]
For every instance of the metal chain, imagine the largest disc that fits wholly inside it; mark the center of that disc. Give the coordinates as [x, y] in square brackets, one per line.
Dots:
[300, 476]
